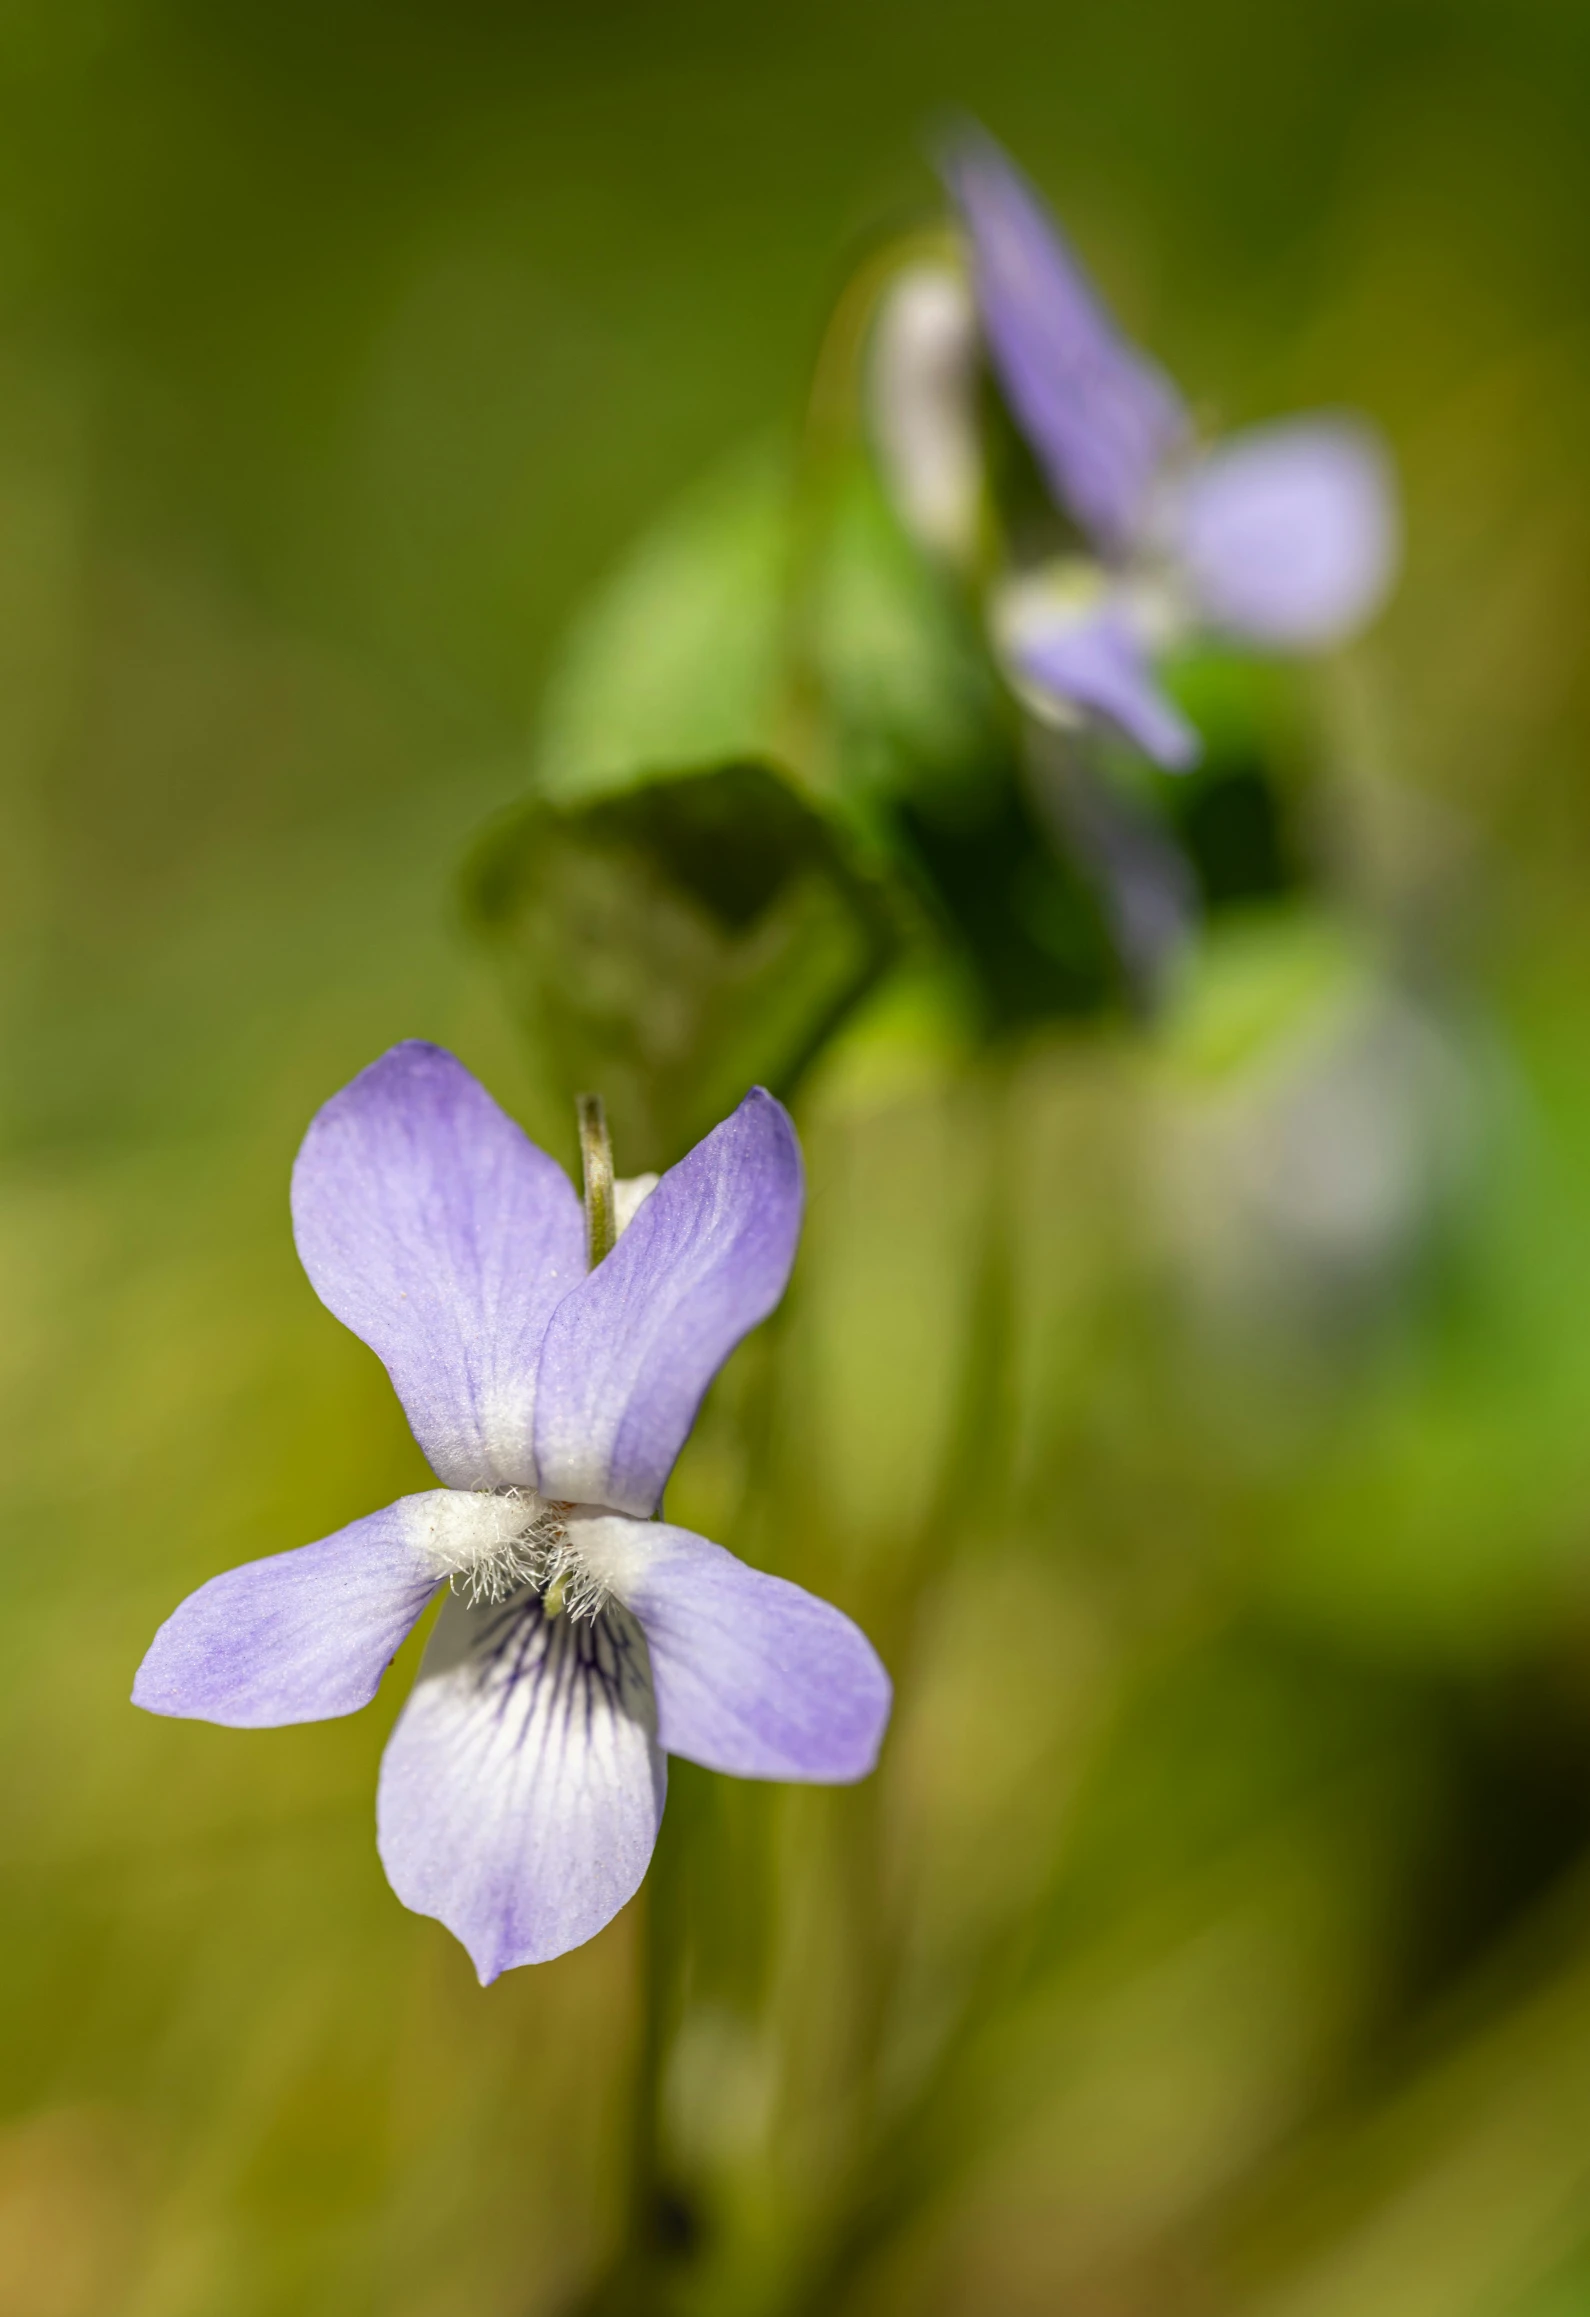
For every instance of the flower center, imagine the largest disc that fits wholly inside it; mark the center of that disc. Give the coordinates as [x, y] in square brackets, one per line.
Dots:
[496, 1542]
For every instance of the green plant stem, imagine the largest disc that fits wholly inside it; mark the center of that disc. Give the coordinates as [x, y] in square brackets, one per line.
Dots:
[596, 1161]
[635, 2284]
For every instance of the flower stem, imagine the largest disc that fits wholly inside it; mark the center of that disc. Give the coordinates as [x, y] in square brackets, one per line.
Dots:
[638, 2281]
[596, 1159]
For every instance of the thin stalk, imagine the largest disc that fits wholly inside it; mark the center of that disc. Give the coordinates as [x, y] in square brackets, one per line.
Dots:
[631, 2286]
[596, 1160]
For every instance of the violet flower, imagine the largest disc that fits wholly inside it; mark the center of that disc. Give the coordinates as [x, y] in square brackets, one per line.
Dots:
[1282, 536]
[584, 1639]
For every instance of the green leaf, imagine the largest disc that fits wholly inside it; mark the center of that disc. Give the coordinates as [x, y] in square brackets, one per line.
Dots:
[677, 658]
[1259, 982]
[774, 615]
[674, 946]
[909, 697]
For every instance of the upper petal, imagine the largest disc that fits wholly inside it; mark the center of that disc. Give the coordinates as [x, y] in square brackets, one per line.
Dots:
[434, 1228]
[630, 1351]
[1288, 534]
[300, 1636]
[1102, 418]
[751, 1674]
[522, 1788]
[1095, 661]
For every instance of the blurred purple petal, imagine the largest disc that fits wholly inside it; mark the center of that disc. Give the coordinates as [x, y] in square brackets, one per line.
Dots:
[300, 1636]
[629, 1353]
[433, 1227]
[1134, 863]
[1096, 662]
[522, 1788]
[752, 1675]
[1288, 534]
[1101, 417]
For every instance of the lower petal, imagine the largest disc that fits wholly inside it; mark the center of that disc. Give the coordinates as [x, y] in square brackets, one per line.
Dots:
[752, 1675]
[1096, 663]
[298, 1637]
[523, 1785]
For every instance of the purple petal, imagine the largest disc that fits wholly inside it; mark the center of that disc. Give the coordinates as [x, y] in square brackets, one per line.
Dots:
[1096, 662]
[298, 1637]
[752, 1675]
[523, 1785]
[1142, 875]
[1288, 534]
[629, 1353]
[433, 1227]
[1101, 417]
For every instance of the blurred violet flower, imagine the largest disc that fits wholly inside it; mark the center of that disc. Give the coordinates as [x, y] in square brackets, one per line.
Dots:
[1298, 1181]
[584, 1639]
[1283, 536]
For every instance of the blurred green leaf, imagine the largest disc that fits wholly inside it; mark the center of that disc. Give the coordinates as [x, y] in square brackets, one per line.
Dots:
[1236, 814]
[1261, 981]
[672, 947]
[775, 613]
[908, 694]
[678, 657]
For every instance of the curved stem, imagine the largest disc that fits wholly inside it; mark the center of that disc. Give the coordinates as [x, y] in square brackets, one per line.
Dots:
[596, 1160]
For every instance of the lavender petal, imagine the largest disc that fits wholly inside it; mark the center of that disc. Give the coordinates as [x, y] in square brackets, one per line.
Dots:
[1102, 418]
[752, 1675]
[300, 1636]
[1139, 871]
[432, 1226]
[1095, 662]
[523, 1786]
[630, 1352]
[1288, 534]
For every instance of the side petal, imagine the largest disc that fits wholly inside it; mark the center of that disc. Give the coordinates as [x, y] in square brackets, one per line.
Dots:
[522, 1788]
[629, 1353]
[752, 1675]
[1096, 663]
[434, 1228]
[1102, 418]
[298, 1637]
[1288, 534]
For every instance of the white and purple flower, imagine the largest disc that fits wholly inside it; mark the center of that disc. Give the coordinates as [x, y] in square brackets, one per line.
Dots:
[1283, 536]
[584, 1639]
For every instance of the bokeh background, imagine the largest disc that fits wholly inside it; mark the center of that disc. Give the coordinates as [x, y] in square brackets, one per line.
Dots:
[1216, 1938]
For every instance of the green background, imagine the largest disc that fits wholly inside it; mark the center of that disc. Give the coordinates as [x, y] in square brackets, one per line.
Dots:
[341, 348]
